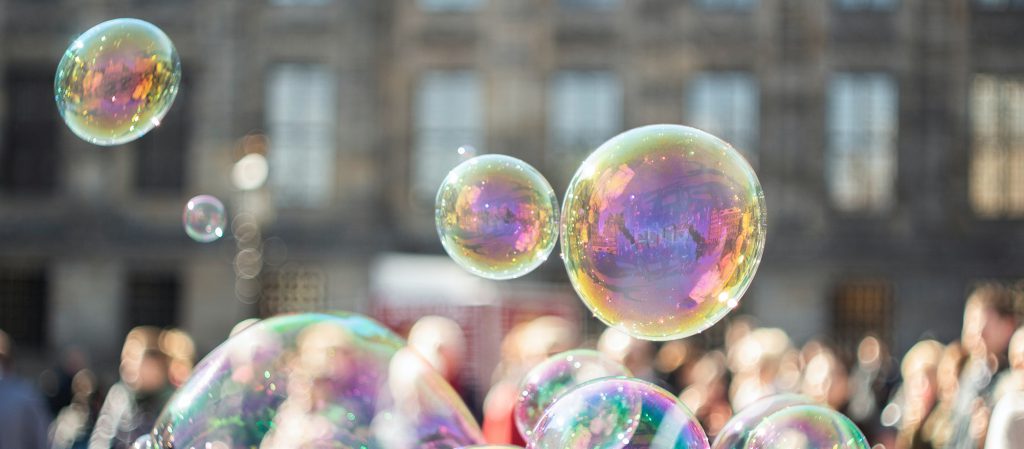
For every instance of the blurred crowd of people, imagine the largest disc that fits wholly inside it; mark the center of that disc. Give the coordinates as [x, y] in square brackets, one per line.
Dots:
[967, 394]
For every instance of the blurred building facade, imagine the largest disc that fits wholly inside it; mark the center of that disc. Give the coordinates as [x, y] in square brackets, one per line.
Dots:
[888, 135]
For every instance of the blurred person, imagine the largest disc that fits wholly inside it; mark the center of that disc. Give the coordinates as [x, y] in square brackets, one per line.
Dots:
[74, 423]
[181, 353]
[133, 403]
[989, 322]
[759, 365]
[936, 431]
[707, 395]
[635, 354]
[825, 379]
[871, 382]
[675, 360]
[23, 414]
[56, 382]
[915, 398]
[442, 342]
[1006, 426]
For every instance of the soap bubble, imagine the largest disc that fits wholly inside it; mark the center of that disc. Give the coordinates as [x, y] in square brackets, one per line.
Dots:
[497, 216]
[492, 446]
[735, 433]
[662, 230]
[315, 380]
[204, 218]
[616, 413]
[547, 381]
[117, 81]
[807, 427]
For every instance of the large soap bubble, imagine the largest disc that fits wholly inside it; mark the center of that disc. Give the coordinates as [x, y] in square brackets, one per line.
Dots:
[662, 230]
[735, 433]
[117, 81]
[619, 412]
[497, 216]
[807, 427]
[547, 381]
[315, 380]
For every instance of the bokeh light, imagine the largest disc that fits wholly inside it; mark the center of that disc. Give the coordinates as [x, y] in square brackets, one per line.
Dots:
[807, 427]
[117, 81]
[315, 380]
[662, 231]
[736, 432]
[204, 218]
[547, 381]
[497, 216]
[615, 413]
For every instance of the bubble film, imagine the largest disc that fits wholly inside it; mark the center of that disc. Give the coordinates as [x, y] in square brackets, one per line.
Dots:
[662, 231]
[497, 216]
[315, 380]
[553, 377]
[618, 413]
[807, 427]
[736, 432]
[117, 81]
[204, 218]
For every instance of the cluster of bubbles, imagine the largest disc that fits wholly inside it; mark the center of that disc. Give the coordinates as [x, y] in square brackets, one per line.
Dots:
[789, 421]
[315, 380]
[662, 227]
[497, 216]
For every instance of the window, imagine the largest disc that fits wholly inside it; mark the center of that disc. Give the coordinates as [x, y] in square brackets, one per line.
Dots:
[861, 307]
[448, 113]
[997, 147]
[862, 5]
[160, 157]
[29, 156]
[860, 163]
[152, 300]
[301, 115]
[726, 104]
[450, 5]
[584, 110]
[292, 288]
[1000, 4]
[727, 4]
[23, 305]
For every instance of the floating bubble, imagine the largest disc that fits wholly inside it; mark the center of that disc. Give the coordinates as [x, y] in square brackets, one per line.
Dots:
[497, 216]
[735, 433]
[547, 381]
[315, 380]
[117, 81]
[807, 427]
[204, 218]
[618, 413]
[662, 230]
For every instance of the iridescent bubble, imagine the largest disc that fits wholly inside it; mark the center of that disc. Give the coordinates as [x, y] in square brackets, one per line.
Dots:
[204, 218]
[618, 413]
[807, 427]
[547, 381]
[117, 81]
[497, 216]
[662, 230]
[315, 380]
[492, 446]
[735, 433]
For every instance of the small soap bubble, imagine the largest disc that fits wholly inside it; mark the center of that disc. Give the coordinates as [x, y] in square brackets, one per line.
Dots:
[204, 218]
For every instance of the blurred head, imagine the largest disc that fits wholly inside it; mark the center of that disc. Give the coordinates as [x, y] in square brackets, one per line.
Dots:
[181, 352]
[989, 319]
[825, 379]
[152, 372]
[441, 342]
[138, 341]
[1017, 351]
[636, 355]
[920, 370]
[5, 351]
[948, 372]
[870, 352]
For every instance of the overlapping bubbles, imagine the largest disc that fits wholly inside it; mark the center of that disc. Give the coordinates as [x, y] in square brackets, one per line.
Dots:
[314, 380]
[560, 373]
[662, 230]
[117, 81]
[497, 216]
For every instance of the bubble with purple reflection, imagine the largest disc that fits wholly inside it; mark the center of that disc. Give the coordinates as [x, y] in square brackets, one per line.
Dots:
[315, 380]
[807, 427]
[552, 378]
[618, 412]
[497, 216]
[735, 433]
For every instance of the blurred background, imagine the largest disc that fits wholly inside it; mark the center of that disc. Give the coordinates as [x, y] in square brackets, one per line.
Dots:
[888, 136]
